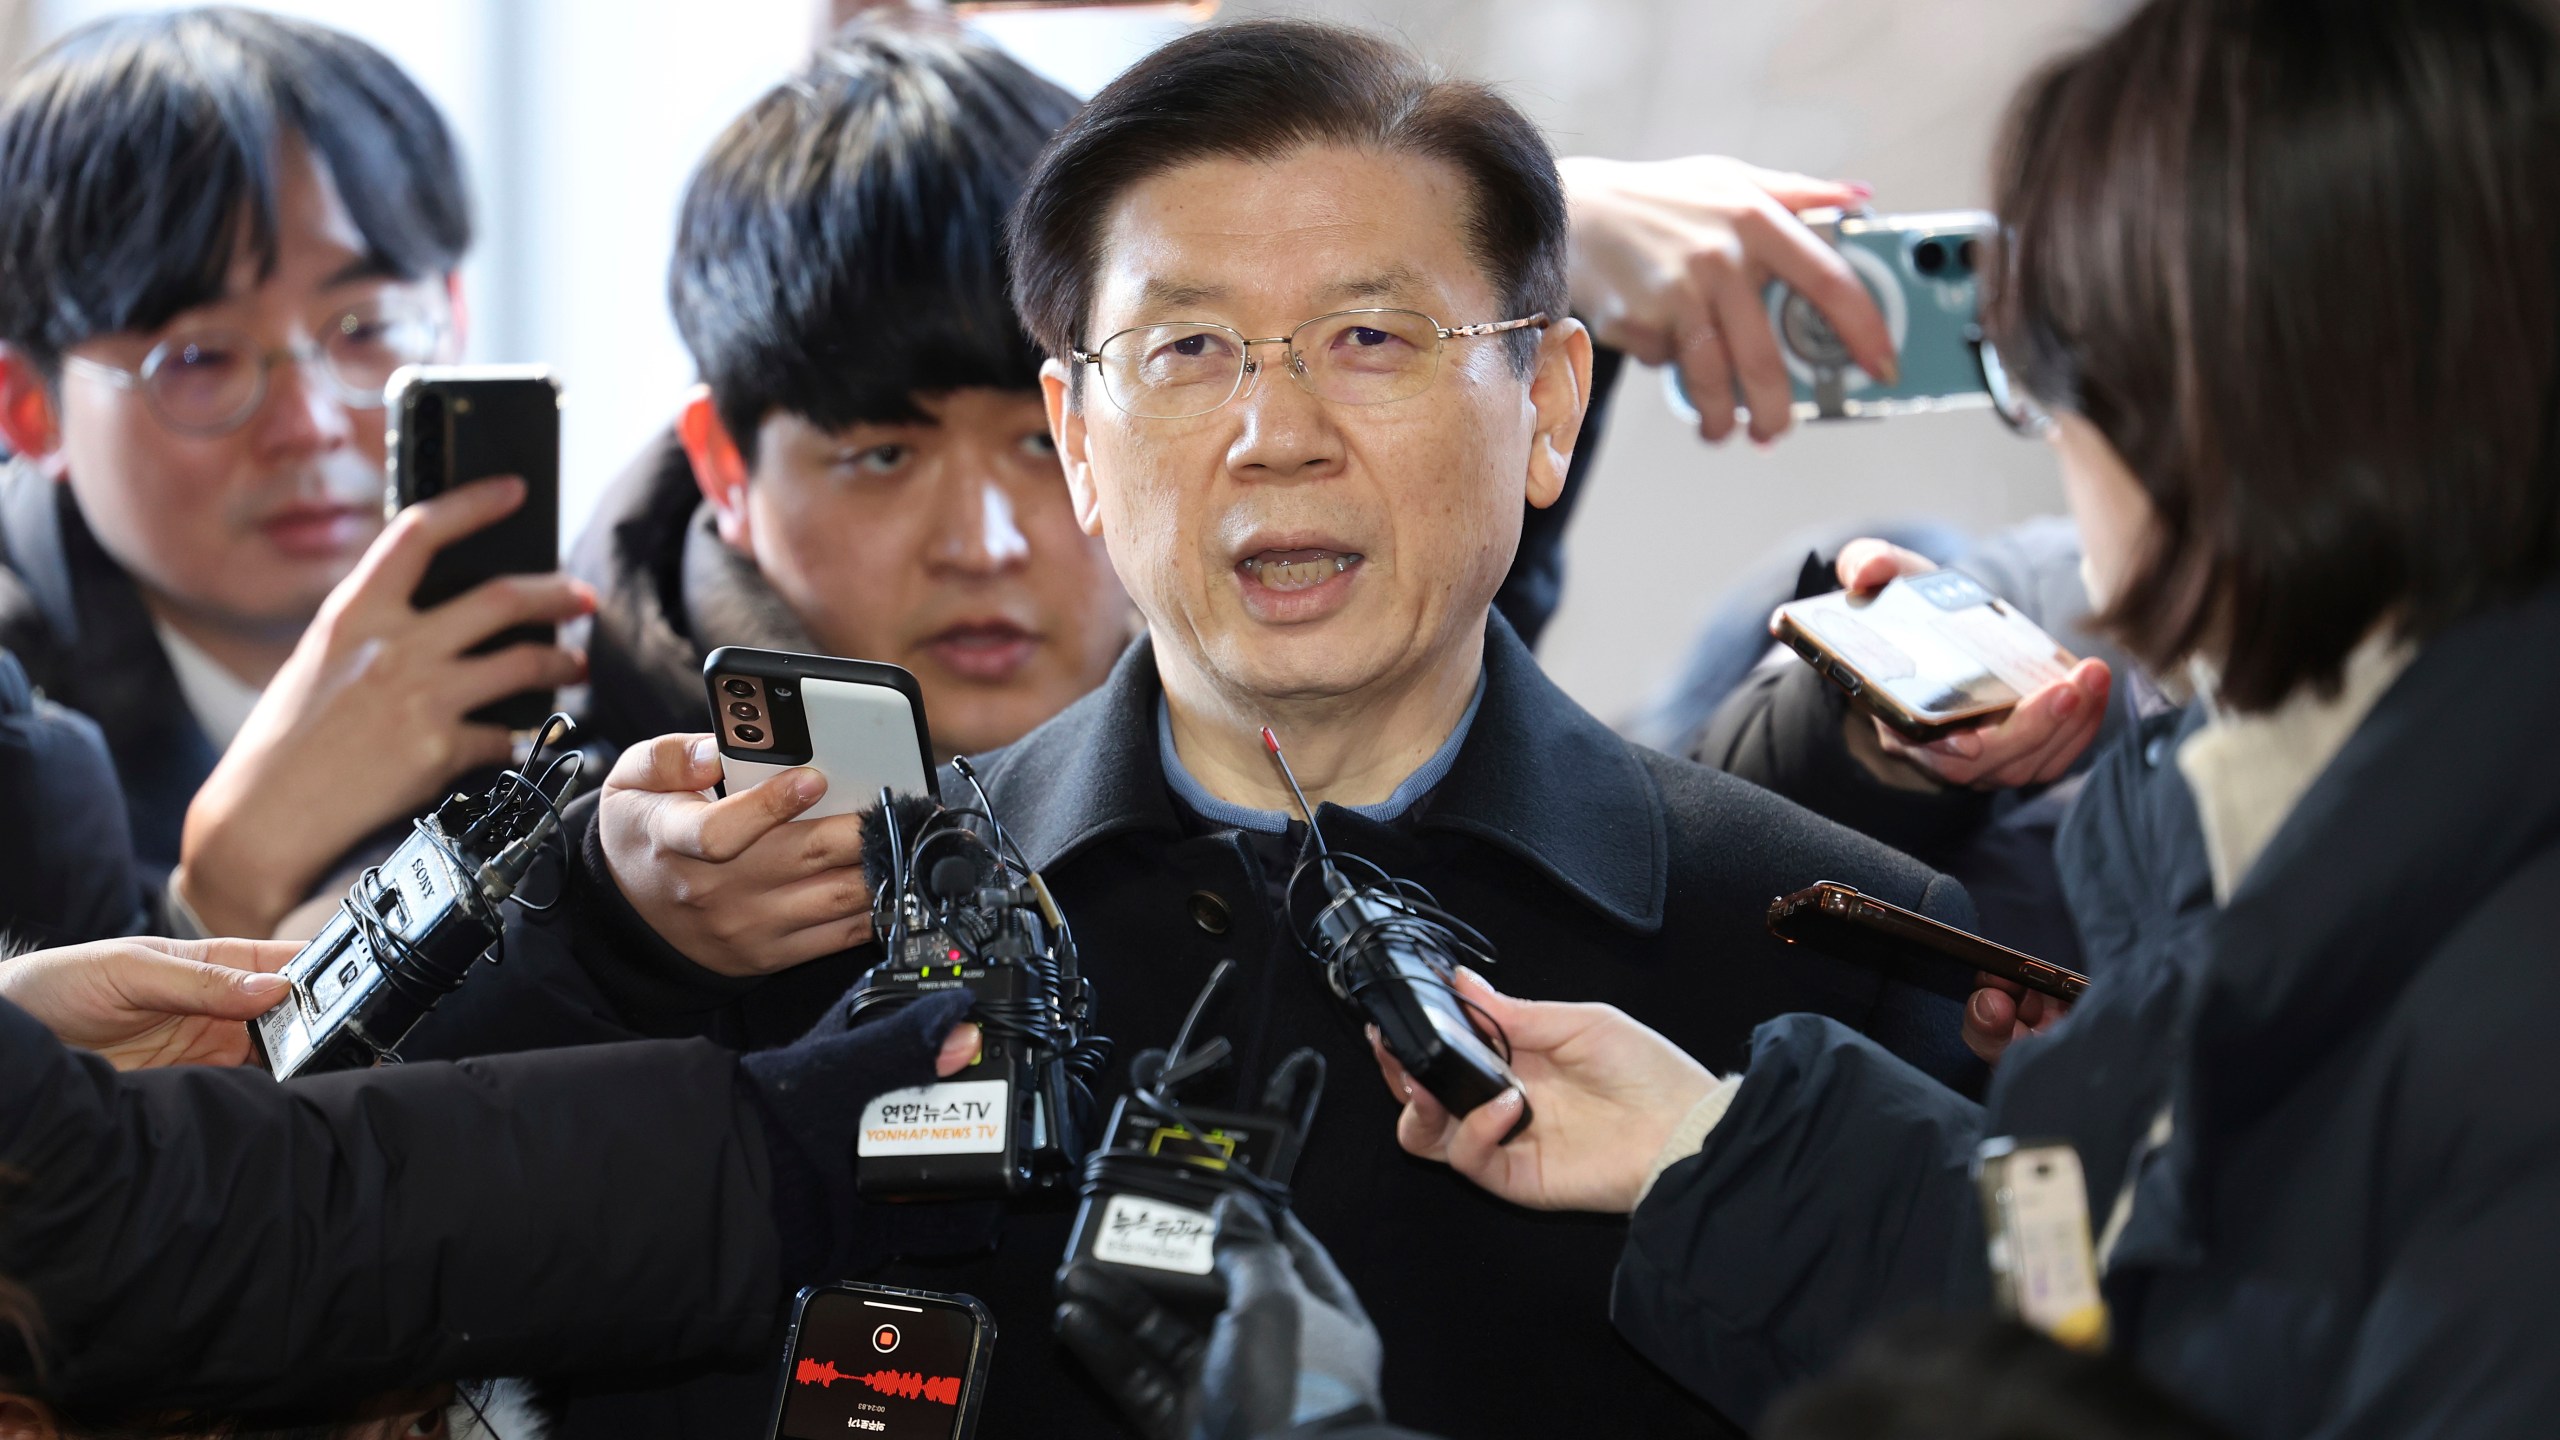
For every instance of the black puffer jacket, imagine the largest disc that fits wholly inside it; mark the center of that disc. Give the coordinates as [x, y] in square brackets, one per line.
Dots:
[2346, 1229]
[208, 1237]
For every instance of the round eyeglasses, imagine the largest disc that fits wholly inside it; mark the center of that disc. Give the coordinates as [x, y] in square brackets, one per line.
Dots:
[1181, 368]
[2014, 406]
[210, 381]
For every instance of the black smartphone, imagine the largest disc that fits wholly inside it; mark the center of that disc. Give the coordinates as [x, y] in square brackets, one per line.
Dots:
[1842, 921]
[860, 723]
[873, 1360]
[450, 425]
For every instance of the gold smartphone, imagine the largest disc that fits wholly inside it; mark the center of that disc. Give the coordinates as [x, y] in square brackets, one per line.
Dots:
[1843, 921]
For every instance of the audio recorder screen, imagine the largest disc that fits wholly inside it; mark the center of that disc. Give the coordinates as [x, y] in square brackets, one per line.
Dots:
[869, 1362]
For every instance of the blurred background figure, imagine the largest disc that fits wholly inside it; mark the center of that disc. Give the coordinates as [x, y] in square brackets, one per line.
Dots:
[579, 120]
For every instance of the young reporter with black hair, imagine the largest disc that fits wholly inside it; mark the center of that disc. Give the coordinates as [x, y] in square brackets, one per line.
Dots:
[220, 231]
[2317, 1125]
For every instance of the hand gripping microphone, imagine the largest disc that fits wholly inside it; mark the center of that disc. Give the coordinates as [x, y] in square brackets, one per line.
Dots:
[1391, 953]
[959, 910]
[412, 927]
[1151, 1192]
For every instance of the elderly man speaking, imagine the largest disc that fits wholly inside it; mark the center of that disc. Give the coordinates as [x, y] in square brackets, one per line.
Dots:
[1304, 303]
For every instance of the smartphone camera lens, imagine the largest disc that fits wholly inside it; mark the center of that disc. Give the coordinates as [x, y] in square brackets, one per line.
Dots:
[748, 734]
[1964, 256]
[745, 711]
[1931, 257]
[740, 688]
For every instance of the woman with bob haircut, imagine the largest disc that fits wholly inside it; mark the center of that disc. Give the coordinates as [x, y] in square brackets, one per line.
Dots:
[2283, 279]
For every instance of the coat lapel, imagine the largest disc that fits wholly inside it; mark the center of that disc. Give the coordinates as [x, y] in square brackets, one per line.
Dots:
[1538, 777]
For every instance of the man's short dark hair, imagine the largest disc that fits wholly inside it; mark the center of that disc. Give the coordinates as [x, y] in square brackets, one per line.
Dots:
[841, 247]
[1260, 89]
[137, 153]
[2300, 264]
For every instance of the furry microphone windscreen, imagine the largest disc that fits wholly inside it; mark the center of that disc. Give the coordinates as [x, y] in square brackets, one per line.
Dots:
[913, 811]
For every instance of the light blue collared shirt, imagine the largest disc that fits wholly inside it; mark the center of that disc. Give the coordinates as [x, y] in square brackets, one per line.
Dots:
[1200, 802]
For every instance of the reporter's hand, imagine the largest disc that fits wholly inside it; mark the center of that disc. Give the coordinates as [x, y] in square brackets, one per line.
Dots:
[365, 724]
[1293, 1352]
[1606, 1091]
[738, 884]
[1667, 262]
[2002, 1010]
[2034, 744]
[142, 1003]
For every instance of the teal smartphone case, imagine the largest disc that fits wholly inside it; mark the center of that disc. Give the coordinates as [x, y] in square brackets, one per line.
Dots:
[1921, 271]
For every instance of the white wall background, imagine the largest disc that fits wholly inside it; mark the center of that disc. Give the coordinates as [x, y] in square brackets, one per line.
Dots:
[580, 120]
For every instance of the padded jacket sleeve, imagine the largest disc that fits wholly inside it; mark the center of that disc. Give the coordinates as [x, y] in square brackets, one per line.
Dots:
[590, 970]
[204, 1237]
[1835, 1193]
[1784, 729]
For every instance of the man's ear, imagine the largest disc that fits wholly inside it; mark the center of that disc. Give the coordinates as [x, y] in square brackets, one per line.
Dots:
[1559, 395]
[1067, 432]
[718, 468]
[24, 1419]
[29, 420]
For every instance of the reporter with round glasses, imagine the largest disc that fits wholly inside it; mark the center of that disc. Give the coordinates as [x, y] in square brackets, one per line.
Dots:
[195, 333]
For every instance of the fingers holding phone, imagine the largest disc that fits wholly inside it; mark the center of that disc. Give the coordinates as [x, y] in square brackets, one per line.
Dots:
[2002, 1011]
[768, 874]
[739, 883]
[1947, 679]
[371, 716]
[2036, 743]
[1669, 260]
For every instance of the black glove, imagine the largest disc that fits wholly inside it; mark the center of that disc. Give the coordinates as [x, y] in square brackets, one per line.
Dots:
[811, 1094]
[1292, 1354]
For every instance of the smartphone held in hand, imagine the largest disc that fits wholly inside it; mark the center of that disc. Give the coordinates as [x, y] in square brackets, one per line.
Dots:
[451, 425]
[857, 722]
[1928, 654]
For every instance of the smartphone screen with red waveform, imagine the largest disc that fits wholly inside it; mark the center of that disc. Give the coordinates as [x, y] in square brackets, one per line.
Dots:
[867, 1361]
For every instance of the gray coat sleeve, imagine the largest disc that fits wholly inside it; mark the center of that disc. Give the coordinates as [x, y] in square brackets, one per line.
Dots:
[1835, 1193]
[210, 1238]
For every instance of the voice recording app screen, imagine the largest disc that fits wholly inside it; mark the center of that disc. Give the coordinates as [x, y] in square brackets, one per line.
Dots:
[877, 1365]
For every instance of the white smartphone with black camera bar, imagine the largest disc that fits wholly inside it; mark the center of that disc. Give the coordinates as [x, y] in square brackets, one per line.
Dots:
[872, 1360]
[857, 722]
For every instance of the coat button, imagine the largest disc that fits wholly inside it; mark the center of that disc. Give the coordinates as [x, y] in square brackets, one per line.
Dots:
[1209, 912]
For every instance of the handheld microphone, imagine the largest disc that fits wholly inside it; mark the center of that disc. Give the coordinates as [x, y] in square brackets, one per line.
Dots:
[1391, 953]
[958, 910]
[1150, 1194]
[411, 928]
